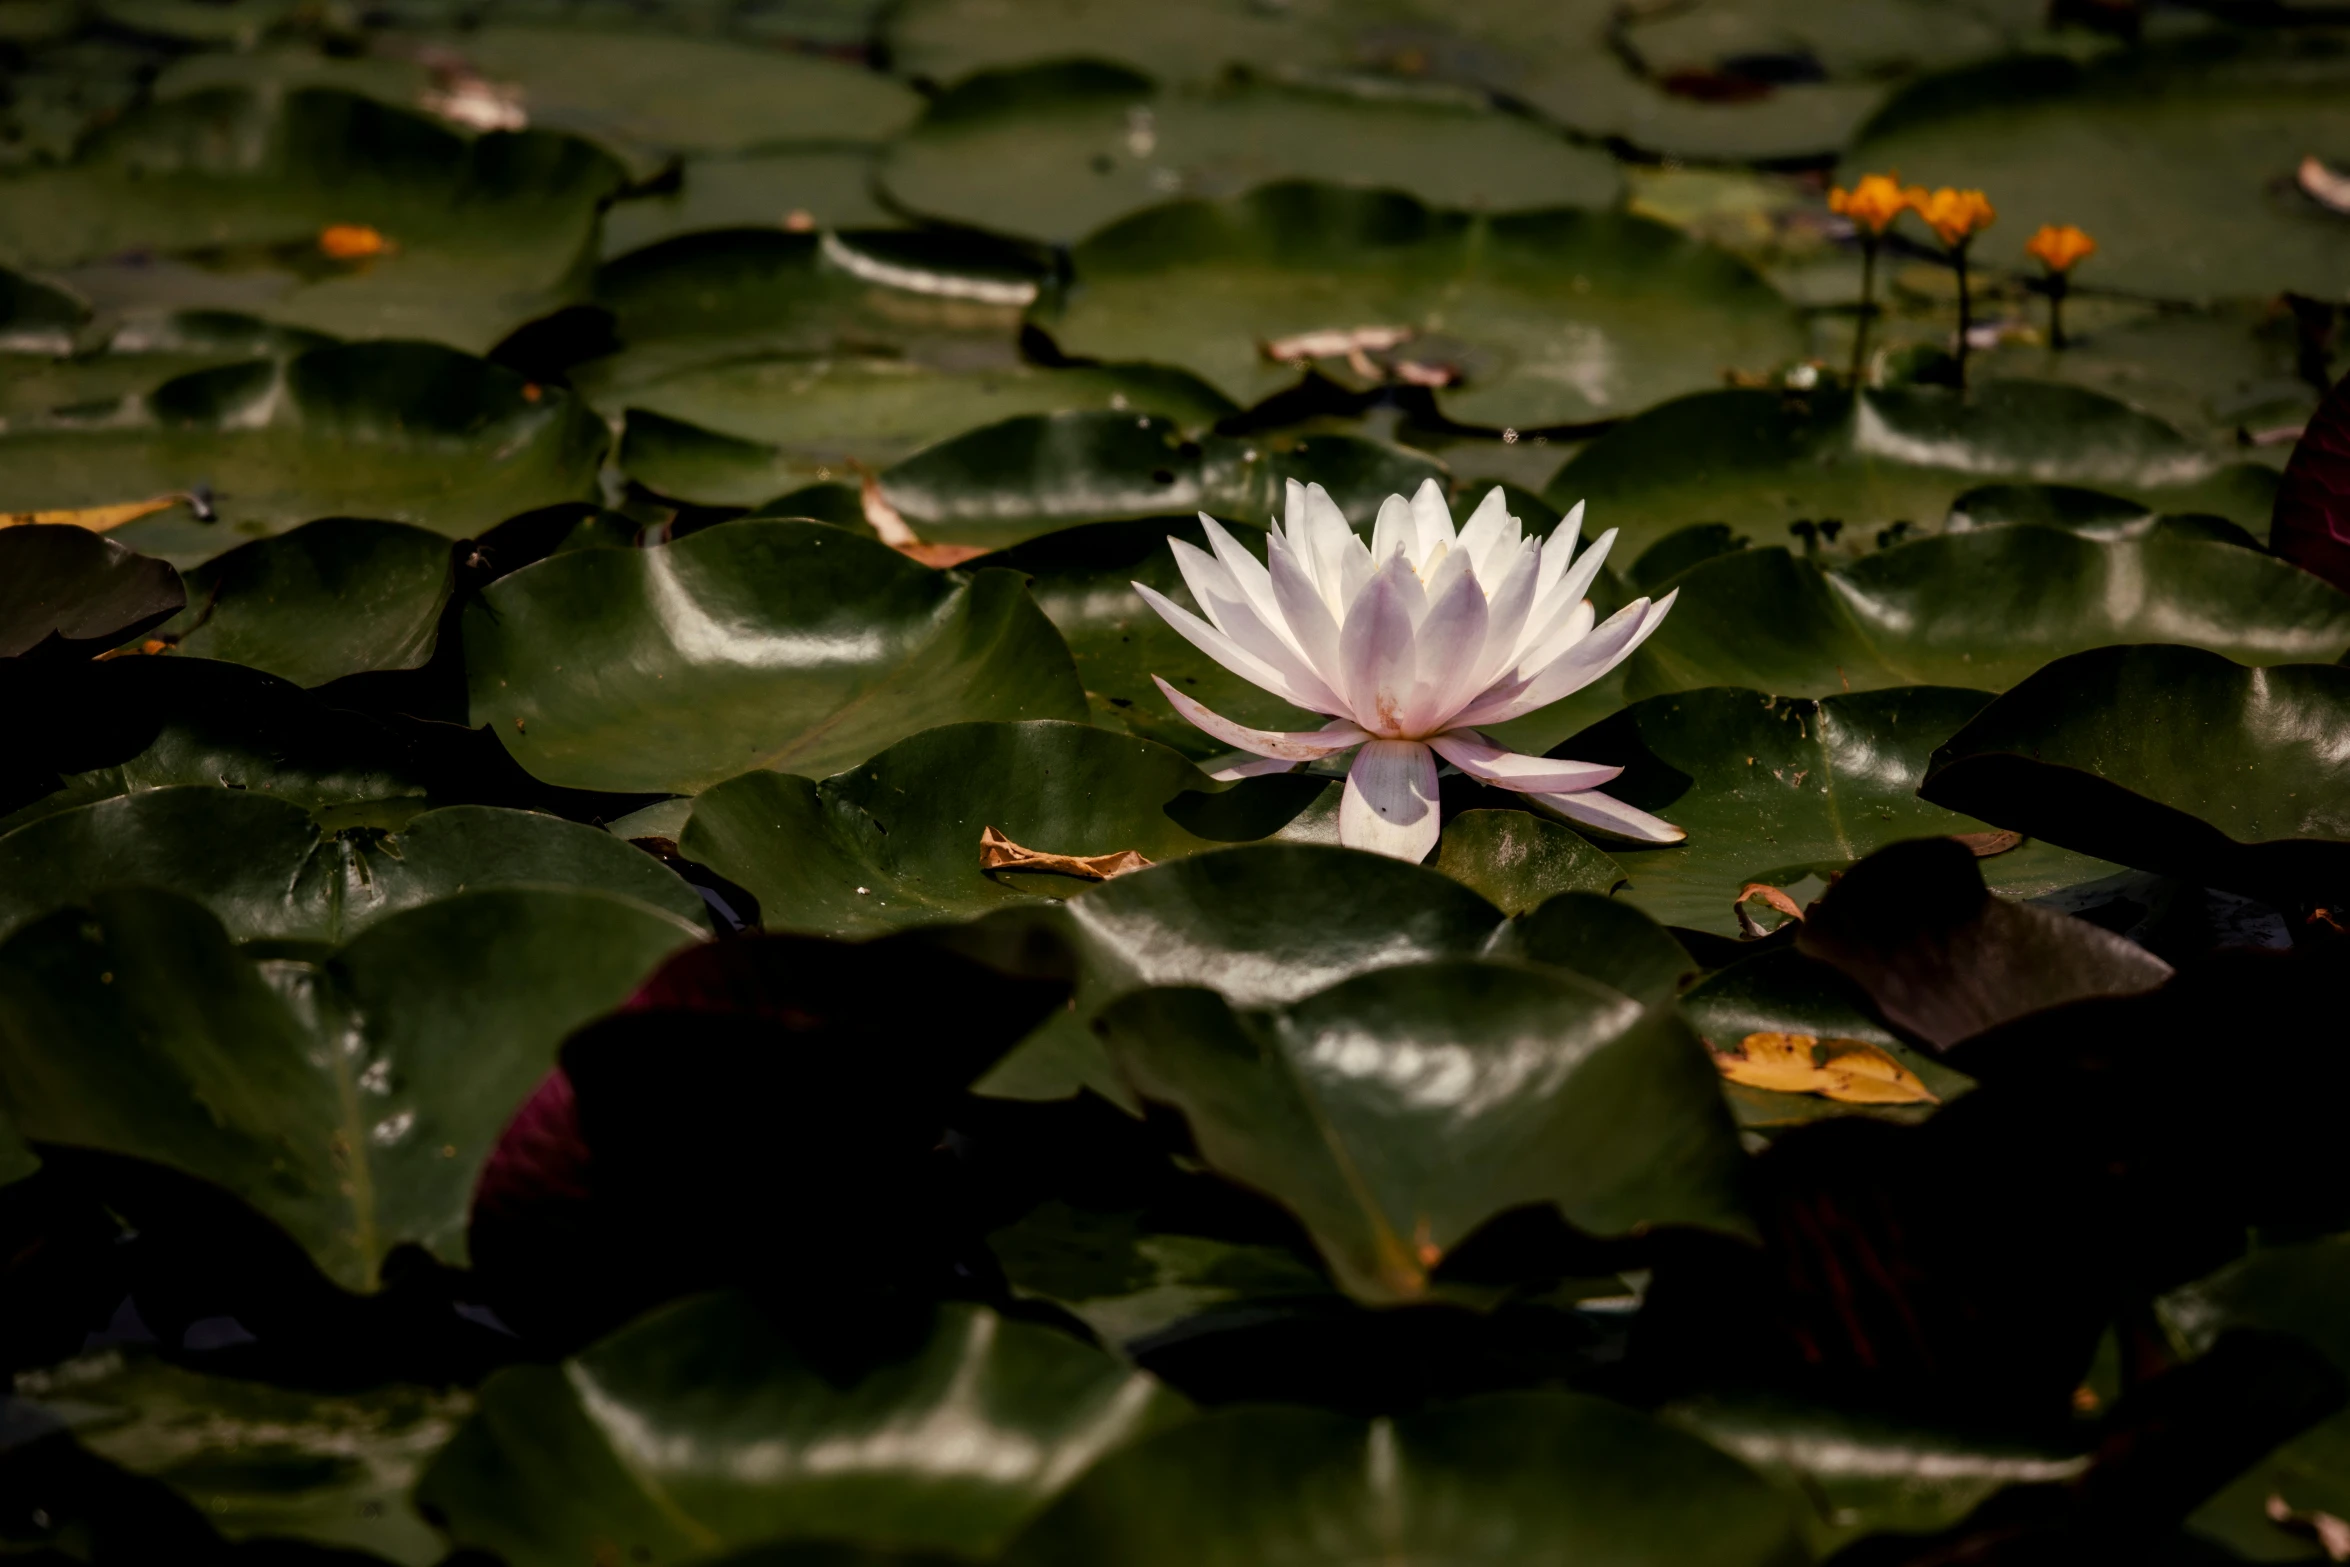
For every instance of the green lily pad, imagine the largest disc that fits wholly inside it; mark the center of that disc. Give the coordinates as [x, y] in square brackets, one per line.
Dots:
[166, 721]
[409, 432]
[1040, 473]
[760, 644]
[353, 1099]
[268, 870]
[38, 317]
[1543, 318]
[1506, 1477]
[949, 1440]
[329, 599]
[69, 589]
[895, 842]
[2167, 759]
[2227, 117]
[1789, 791]
[1762, 460]
[1053, 152]
[1518, 860]
[789, 188]
[1399, 1110]
[738, 431]
[489, 232]
[140, 355]
[257, 1461]
[1983, 608]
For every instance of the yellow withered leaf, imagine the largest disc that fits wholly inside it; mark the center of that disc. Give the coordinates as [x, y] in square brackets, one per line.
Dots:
[95, 518]
[1845, 1070]
[999, 853]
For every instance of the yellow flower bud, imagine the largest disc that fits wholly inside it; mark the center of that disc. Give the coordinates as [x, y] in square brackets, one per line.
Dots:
[1955, 215]
[1873, 203]
[2059, 248]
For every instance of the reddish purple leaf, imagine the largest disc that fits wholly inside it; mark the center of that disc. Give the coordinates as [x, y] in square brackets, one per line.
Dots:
[2311, 525]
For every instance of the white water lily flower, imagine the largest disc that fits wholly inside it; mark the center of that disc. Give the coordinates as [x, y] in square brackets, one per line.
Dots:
[1410, 644]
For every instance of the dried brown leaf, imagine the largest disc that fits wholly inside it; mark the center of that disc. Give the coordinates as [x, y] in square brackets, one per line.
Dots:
[1764, 892]
[1982, 845]
[1349, 343]
[1845, 1070]
[999, 853]
[95, 518]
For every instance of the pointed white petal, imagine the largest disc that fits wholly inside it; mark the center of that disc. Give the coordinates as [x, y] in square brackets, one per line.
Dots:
[1590, 808]
[1551, 608]
[1505, 617]
[1304, 613]
[1395, 529]
[1329, 541]
[1479, 757]
[1589, 659]
[1248, 574]
[1291, 745]
[1573, 624]
[1230, 611]
[1229, 653]
[1375, 658]
[1481, 535]
[1254, 767]
[1390, 802]
[1445, 648]
[1570, 529]
[1432, 515]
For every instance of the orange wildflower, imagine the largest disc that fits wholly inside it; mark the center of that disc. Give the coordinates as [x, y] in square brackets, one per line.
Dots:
[1955, 215]
[352, 242]
[1873, 203]
[2059, 247]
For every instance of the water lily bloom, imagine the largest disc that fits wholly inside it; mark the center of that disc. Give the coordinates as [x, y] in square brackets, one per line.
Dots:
[1410, 644]
[1956, 216]
[1872, 203]
[2060, 248]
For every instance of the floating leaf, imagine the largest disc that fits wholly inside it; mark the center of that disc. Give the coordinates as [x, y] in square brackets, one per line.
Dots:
[65, 591]
[999, 853]
[328, 599]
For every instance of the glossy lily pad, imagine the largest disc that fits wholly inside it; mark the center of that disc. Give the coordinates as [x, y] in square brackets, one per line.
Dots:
[332, 1469]
[268, 870]
[1397, 1111]
[1054, 152]
[408, 432]
[945, 1435]
[69, 591]
[351, 1099]
[485, 232]
[1538, 318]
[2169, 759]
[760, 644]
[1519, 860]
[1508, 1477]
[1789, 791]
[1983, 608]
[139, 355]
[1760, 461]
[784, 422]
[2230, 117]
[329, 599]
[794, 188]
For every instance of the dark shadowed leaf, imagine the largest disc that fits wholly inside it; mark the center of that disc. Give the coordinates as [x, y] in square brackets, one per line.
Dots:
[705, 1427]
[2311, 527]
[329, 599]
[71, 592]
[761, 644]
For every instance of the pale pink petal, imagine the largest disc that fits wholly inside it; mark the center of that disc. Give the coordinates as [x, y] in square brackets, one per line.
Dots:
[1227, 652]
[1573, 623]
[1390, 802]
[1395, 529]
[1433, 517]
[1590, 808]
[1291, 745]
[1231, 612]
[1480, 758]
[1311, 625]
[1551, 608]
[1254, 767]
[1486, 535]
[1506, 615]
[1248, 573]
[1340, 562]
[1558, 552]
[1375, 654]
[1445, 648]
[1589, 659]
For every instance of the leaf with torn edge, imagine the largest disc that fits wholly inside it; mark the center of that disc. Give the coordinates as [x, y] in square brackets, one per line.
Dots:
[999, 853]
[894, 531]
[1844, 1070]
[1748, 926]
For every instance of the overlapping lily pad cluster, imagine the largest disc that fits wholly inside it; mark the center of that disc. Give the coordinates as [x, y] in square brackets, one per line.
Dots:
[675, 871]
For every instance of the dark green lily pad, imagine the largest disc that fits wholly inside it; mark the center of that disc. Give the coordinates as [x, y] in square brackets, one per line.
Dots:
[1397, 1111]
[947, 1438]
[760, 644]
[267, 869]
[71, 591]
[1543, 318]
[351, 1100]
[1762, 460]
[1126, 1281]
[489, 231]
[794, 188]
[2229, 116]
[1518, 860]
[1507, 1477]
[1789, 791]
[1053, 152]
[2167, 759]
[332, 1469]
[140, 355]
[1983, 608]
[409, 432]
[329, 599]
[738, 431]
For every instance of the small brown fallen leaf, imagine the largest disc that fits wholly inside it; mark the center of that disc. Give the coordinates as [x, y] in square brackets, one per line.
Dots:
[95, 518]
[1411, 372]
[2331, 1533]
[1982, 845]
[941, 555]
[1763, 890]
[352, 242]
[1349, 343]
[149, 648]
[2328, 189]
[999, 853]
[2273, 435]
[1845, 1070]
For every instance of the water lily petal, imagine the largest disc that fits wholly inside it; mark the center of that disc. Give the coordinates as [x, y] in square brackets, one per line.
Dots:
[1446, 644]
[1341, 563]
[1433, 517]
[1254, 767]
[1558, 552]
[1290, 745]
[1231, 612]
[1395, 529]
[1480, 758]
[1375, 648]
[1248, 573]
[1506, 613]
[1390, 802]
[1552, 607]
[1485, 536]
[1304, 612]
[1585, 662]
[1229, 653]
[1590, 808]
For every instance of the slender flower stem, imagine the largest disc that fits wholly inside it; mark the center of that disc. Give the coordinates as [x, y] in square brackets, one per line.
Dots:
[1868, 307]
[2058, 285]
[1965, 310]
